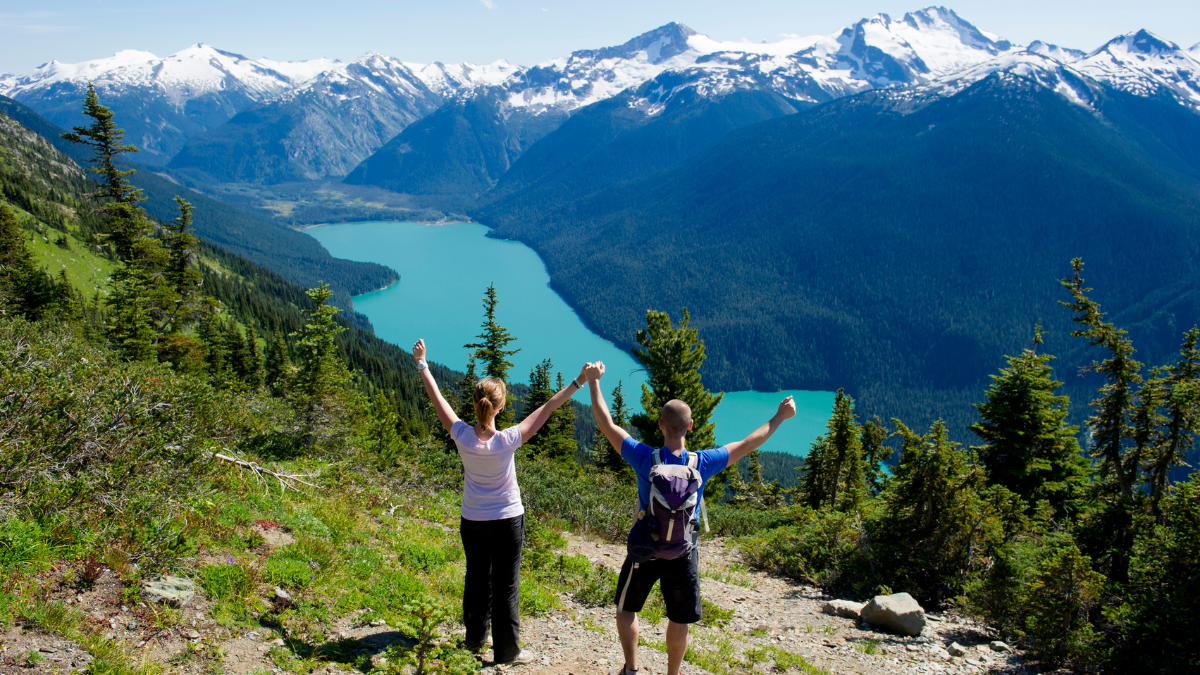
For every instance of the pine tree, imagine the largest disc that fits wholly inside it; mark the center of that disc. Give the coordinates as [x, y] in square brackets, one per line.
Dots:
[254, 360]
[382, 432]
[835, 471]
[320, 371]
[492, 350]
[141, 301]
[236, 353]
[672, 358]
[876, 453]
[1109, 426]
[466, 387]
[539, 394]
[23, 285]
[185, 281]
[210, 334]
[278, 367]
[604, 455]
[1028, 446]
[326, 405]
[560, 429]
[1180, 395]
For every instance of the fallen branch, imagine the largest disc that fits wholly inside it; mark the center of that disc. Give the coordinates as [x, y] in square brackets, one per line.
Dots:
[258, 471]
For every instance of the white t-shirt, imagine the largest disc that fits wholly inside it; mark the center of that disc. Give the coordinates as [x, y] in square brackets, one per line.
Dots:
[490, 491]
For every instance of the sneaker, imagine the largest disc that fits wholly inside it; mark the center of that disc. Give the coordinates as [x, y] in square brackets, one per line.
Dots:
[622, 671]
[522, 659]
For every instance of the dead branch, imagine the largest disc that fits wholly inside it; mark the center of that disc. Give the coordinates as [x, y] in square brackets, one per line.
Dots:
[285, 479]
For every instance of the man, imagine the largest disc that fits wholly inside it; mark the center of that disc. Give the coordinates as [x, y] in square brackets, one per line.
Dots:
[679, 578]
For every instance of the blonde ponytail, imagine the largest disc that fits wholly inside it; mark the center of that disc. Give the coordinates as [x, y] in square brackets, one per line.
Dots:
[488, 398]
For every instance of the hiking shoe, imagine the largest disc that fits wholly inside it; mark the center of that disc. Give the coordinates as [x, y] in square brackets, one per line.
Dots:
[522, 659]
[622, 671]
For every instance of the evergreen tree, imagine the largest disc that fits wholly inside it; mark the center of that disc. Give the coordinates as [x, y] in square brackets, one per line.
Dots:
[876, 453]
[539, 394]
[326, 405]
[1028, 446]
[24, 286]
[236, 353]
[320, 372]
[604, 455]
[492, 350]
[253, 359]
[1180, 393]
[382, 430]
[672, 358]
[278, 368]
[835, 471]
[1110, 427]
[141, 300]
[560, 429]
[466, 387]
[182, 250]
[210, 334]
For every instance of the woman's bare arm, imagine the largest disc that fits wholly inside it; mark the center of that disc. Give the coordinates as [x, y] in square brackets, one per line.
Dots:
[444, 412]
[534, 420]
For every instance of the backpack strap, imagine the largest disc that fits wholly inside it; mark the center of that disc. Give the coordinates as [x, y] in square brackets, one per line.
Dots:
[656, 458]
[693, 460]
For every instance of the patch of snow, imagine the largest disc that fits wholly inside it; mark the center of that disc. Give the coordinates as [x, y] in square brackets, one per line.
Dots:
[7, 81]
[458, 78]
[706, 45]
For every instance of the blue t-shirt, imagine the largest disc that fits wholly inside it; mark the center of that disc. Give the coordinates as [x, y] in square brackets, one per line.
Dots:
[641, 457]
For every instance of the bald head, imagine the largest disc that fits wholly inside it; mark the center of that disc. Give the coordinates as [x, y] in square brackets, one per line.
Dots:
[676, 418]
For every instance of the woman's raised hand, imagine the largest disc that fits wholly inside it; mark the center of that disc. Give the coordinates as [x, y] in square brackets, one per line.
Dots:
[419, 350]
[593, 371]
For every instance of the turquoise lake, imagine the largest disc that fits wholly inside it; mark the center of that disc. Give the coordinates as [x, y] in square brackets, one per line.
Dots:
[444, 271]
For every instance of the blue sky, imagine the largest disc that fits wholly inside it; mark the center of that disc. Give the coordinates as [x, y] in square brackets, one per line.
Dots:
[522, 31]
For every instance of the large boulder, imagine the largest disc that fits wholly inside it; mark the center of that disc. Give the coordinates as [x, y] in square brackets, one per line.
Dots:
[843, 608]
[897, 613]
[174, 591]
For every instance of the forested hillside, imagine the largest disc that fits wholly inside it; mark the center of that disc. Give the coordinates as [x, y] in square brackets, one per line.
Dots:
[898, 249]
[296, 256]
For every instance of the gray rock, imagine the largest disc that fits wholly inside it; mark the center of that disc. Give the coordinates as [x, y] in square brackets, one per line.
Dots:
[939, 653]
[897, 613]
[278, 642]
[175, 591]
[843, 608]
[956, 649]
[48, 650]
[998, 646]
[193, 634]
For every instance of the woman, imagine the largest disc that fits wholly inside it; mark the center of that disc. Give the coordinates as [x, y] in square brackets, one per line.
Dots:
[493, 518]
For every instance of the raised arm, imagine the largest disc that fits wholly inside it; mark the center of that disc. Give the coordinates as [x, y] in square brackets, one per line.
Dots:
[534, 420]
[739, 449]
[615, 434]
[444, 412]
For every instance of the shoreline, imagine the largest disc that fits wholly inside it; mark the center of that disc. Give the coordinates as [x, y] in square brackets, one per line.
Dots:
[426, 223]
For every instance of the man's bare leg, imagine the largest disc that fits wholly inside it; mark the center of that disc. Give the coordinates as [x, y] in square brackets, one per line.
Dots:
[627, 629]
[677, 642]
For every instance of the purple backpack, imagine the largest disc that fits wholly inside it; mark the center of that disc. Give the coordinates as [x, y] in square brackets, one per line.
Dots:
[676, 501]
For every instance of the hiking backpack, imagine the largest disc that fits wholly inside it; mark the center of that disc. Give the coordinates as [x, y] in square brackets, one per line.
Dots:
[671, 520]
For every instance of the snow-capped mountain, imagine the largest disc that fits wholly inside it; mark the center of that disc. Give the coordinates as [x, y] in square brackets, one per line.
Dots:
[325, 126]
[462, 78]
[1060, 54]
[161, 101]
[1144, 64]
[1029, 67]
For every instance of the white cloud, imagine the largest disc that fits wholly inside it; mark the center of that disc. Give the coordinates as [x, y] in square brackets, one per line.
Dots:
[490, 4]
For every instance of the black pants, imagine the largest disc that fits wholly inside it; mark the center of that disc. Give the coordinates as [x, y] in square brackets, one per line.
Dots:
[493, 584]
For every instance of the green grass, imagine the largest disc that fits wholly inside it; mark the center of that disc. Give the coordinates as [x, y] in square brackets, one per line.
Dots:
[86, 270]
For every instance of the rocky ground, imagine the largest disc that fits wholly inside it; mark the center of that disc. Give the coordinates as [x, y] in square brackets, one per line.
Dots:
[768, 621]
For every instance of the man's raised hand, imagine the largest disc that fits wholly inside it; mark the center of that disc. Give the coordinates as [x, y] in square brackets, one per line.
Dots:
[787, 408]
[419, 350]
[594, 371]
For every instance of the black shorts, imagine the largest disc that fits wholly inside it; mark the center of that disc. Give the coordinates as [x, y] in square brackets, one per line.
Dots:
[679, 580]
